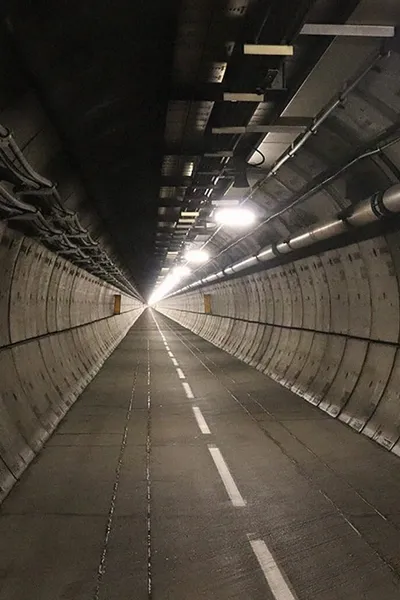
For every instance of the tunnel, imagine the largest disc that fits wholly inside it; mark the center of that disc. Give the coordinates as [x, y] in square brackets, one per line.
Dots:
[199, 300]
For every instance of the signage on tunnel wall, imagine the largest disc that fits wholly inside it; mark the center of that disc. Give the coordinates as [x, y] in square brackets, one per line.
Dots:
[207, 304]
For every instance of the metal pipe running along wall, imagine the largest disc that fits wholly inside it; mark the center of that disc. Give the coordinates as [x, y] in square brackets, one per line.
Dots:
[378, 206]
[325, 326]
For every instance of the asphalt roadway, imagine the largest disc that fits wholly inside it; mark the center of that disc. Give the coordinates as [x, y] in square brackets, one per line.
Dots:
[183, 474]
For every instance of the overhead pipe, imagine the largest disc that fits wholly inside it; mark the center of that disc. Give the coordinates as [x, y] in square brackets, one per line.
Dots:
[312, 130]
[379, 206]
[376, 207]
[324, 114]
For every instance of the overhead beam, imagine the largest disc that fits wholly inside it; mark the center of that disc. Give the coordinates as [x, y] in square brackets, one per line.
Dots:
[268, 50]
[219, 154]
[282, 125]
[215, 92]
[243, 97]
[380, 31]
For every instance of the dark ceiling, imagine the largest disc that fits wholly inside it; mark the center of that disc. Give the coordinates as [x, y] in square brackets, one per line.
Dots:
[102, 69]
[133, 90]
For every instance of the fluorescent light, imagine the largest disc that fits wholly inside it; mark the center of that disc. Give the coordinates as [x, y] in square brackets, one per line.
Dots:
[197, 256]
[234, 217]
[181, 271]
[168, 283]
[268, 49]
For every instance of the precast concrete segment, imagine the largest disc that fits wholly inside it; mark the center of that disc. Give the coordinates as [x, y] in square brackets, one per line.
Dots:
[326, 327]
[56, 330]
[314, 481]
[91, 503]
[10, 244]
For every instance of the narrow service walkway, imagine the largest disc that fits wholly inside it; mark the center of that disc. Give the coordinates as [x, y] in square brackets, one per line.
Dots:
[183, 474]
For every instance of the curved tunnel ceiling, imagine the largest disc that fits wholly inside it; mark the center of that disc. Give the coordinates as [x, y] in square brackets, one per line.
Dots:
[119, 105]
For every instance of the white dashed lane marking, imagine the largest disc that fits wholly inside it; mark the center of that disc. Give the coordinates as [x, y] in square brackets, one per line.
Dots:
[277, 581]
[272, 573]
[188, 389]
[227, 479]
[201, 422]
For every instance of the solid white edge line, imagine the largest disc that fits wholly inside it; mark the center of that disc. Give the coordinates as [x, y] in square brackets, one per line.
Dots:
[181, 374]
[175, 362]
[272, 573]
[227, 479]
[188, 389]
[201, 422]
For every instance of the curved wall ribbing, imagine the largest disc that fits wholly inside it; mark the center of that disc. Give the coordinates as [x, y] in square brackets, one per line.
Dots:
[327, 327]
[56, 330]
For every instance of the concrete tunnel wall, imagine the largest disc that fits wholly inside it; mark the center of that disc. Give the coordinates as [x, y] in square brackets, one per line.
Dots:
[326, 327]
[56, 330]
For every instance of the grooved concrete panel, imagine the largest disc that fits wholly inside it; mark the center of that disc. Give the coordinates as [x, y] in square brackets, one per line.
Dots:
[321, 290]
[384, 289]
[327, 327]
[358, 288]
[338, 294]
[10, 244]
[54, 281]
[22, 315]
[384, 425]
[56, 329]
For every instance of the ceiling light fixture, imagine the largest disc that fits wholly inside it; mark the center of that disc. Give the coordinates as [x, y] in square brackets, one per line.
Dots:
[197, 256]
[168, 283]
[268, 49]
[234, 217]
[180, 271]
